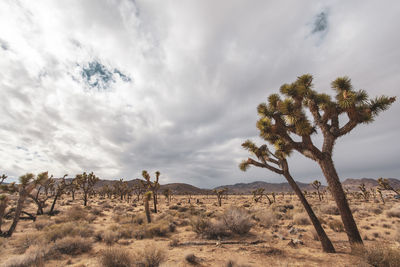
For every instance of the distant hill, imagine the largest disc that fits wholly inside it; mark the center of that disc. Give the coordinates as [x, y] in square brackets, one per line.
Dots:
[247, 188]
[353, 183]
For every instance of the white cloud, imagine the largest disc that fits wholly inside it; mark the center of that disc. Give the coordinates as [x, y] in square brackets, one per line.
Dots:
[198, 70]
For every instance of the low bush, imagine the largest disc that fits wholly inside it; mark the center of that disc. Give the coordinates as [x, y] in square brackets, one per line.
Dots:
[151, 256]
[336, 225]
[330, 209]
[265, 218]
[58, 231]
[72, 245]
[394, 212]
[34, 256]
[237, 220]
[301, 219]
[24, 241]
[210, 229]
[378, 255]
[116, 257]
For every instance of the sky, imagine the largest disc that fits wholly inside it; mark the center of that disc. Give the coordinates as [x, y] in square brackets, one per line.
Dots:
[120, 86]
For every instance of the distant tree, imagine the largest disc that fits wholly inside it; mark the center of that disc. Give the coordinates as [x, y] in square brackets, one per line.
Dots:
[293, 120]
[151, 186]
[86, 182]
[72, 187]
[258, 194]
[57, 191]
[277, 163]
[384, 184]
[380, 194]
[364, 191]
[220, 193]
[121, 188]
[167, 193]
[317, 184]
[139, 189]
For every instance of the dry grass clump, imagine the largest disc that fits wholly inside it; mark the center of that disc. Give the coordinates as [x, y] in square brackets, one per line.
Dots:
[209, 229]
[151, 256]
[110, 237]
[266, 218]
[116, 257]
[394, 212]
[43, 222]
[58, 231]
[330, 209]
[237, 220]
[301, 219]
[336, 225]
[77, 213]
[23, 242]
[379, 255]
[72, 245]
[192, 259]
[34, 256]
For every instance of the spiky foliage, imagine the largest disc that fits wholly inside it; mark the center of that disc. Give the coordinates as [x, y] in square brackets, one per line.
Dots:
[151, 186]
[317, 184]
[364, 191]
[285, 122]
[86, 182]
[43, 191]
[385, 185]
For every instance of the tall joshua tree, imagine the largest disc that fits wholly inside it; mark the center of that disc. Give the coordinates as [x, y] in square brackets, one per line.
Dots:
[151, 186]
[317, 184]
[276, 162]
[294, 119]
[86, 182]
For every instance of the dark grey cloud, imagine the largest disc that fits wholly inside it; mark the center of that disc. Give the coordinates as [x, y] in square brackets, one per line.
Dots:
[176, 86]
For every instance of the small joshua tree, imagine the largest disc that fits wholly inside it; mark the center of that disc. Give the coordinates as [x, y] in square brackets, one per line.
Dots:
[72, 187]
[86, 182]
[258, 194]
[317, 184]
[384, 185]
[364, 191]
[167, 193]
[276, 162]
[380, 194]
[151, 186]
[121, 188]
[139, 189]
[220, 193]
[293, 120]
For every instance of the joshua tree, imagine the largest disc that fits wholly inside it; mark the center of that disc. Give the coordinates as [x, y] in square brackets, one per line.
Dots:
[72, 187]
[258, 194]
[86, 182]
[121, 188]
[364, 191]
[167, 193]
[27, 183]
[273, 196]
[43, 191]
[57, 192]
[276, 162]
[317, 184]
[287, 122]
[380, 194]
[151, 186]
[220, 193]
[384, 185]
[138, 190]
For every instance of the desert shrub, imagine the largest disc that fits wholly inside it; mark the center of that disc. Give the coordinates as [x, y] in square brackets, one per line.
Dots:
[266, 218]
[57, 231]
[208, 228]
[116, 257]
[379, 255]
[110, 237]
[23, 242]
[72, 245]
[237, 220]
[96, 212]
[34, 256]
[301, 219]
[192, 259]
[330, 209]
[394, 212]
[151, 256]
[43, 222]
[77, 213]
[336, 225]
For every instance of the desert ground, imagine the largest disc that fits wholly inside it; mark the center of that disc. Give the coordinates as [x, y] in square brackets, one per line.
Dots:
[241, 232]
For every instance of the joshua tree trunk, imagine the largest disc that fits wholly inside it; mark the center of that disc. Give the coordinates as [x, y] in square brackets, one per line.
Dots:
[324, 239]
[20, 204]
[3, 206]
[53, 205]
[147, 208]
[155, 201]
[85, 199]
[339, 195]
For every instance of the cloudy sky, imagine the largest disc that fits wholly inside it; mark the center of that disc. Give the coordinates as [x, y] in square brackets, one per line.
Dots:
[119, 86]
